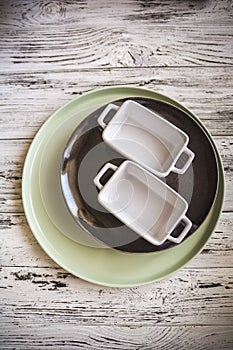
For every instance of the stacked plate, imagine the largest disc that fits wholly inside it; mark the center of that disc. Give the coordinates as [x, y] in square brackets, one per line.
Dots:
[63, 204]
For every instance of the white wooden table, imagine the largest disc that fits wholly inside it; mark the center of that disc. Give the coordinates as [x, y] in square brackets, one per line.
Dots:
[52, 51]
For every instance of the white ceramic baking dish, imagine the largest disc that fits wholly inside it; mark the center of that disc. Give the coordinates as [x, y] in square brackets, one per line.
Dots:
[143, 202]
[146, 138]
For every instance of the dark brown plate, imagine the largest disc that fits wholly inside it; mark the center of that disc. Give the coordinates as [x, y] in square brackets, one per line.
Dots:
[86, 153]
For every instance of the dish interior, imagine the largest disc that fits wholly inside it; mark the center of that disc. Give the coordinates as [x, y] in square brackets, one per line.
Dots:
[142, 201]
[145, 137]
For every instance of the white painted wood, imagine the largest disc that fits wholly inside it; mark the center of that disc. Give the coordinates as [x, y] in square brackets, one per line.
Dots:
[53, 51]
[102, 33]
[59, 297]
[35, 96]
[71, 335]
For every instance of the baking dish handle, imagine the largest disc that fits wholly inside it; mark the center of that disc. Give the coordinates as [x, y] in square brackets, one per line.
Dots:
[190, 155]
[188, 225]
[102, 172]
[104, 114]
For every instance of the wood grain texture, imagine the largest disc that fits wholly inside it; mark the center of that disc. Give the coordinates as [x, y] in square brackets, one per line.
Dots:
[100, 33]
[73, 336]
[186, 298]
[208, 92]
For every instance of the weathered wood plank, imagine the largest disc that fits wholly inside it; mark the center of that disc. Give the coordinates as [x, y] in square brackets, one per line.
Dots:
[111, 33]
[73, 336]
[12, 156]
[17, 237]
[190, 297]
[35, 96]
[13, 153]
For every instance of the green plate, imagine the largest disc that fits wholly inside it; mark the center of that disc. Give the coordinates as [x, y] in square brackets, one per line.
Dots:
[99, 265]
